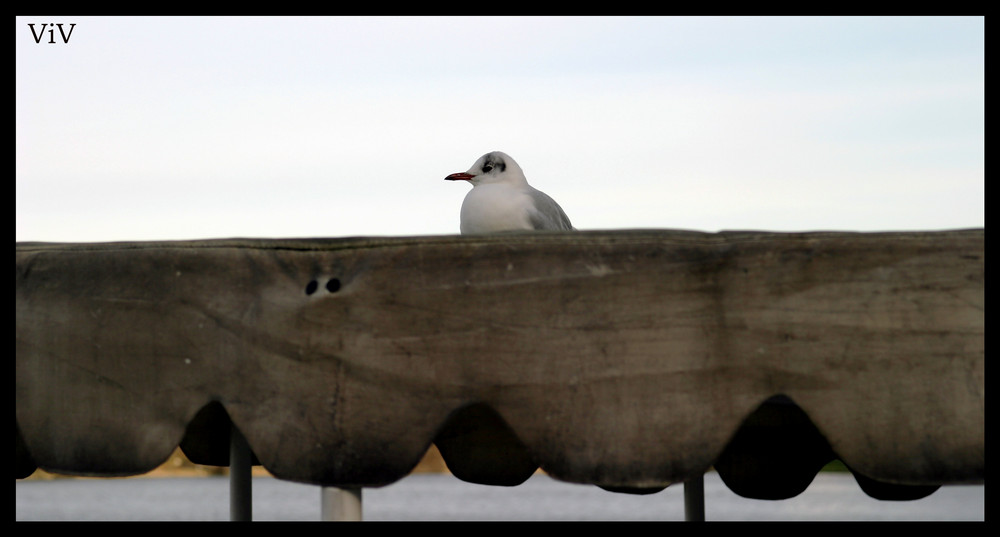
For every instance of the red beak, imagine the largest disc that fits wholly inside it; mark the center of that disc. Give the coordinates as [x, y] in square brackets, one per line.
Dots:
[459, 177]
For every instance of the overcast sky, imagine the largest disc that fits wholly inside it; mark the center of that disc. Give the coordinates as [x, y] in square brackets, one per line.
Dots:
[204, 127]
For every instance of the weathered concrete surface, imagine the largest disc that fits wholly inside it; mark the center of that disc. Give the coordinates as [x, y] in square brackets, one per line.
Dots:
[626, 359]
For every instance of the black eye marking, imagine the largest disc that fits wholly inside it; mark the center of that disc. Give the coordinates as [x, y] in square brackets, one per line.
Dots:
[491, 163]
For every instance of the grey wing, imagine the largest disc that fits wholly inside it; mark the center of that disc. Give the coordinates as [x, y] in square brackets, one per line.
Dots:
[548, 214]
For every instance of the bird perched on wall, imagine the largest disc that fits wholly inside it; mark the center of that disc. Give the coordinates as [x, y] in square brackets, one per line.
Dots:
[502, 200]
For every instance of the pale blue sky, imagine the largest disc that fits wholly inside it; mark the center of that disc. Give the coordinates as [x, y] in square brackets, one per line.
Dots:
[205, 127]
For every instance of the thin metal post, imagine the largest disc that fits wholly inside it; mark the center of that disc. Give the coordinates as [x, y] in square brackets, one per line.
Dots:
[342, 505]
[240, 463]
[694, 499]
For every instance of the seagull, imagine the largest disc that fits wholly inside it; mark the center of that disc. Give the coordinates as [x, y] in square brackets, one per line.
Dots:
[502, 200]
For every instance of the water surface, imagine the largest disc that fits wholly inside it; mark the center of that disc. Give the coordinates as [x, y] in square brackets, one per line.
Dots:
[442, 497]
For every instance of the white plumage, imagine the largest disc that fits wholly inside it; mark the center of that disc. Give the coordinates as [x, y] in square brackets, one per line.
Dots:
[502, 200]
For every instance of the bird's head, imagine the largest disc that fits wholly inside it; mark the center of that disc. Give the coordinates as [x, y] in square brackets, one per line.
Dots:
[494, 167]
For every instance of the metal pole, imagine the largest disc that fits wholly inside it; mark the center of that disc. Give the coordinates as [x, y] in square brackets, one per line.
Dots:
[694, 499]
[342, 505]
[240, 493]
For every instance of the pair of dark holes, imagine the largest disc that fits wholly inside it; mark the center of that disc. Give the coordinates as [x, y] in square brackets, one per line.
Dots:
[332, 285]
